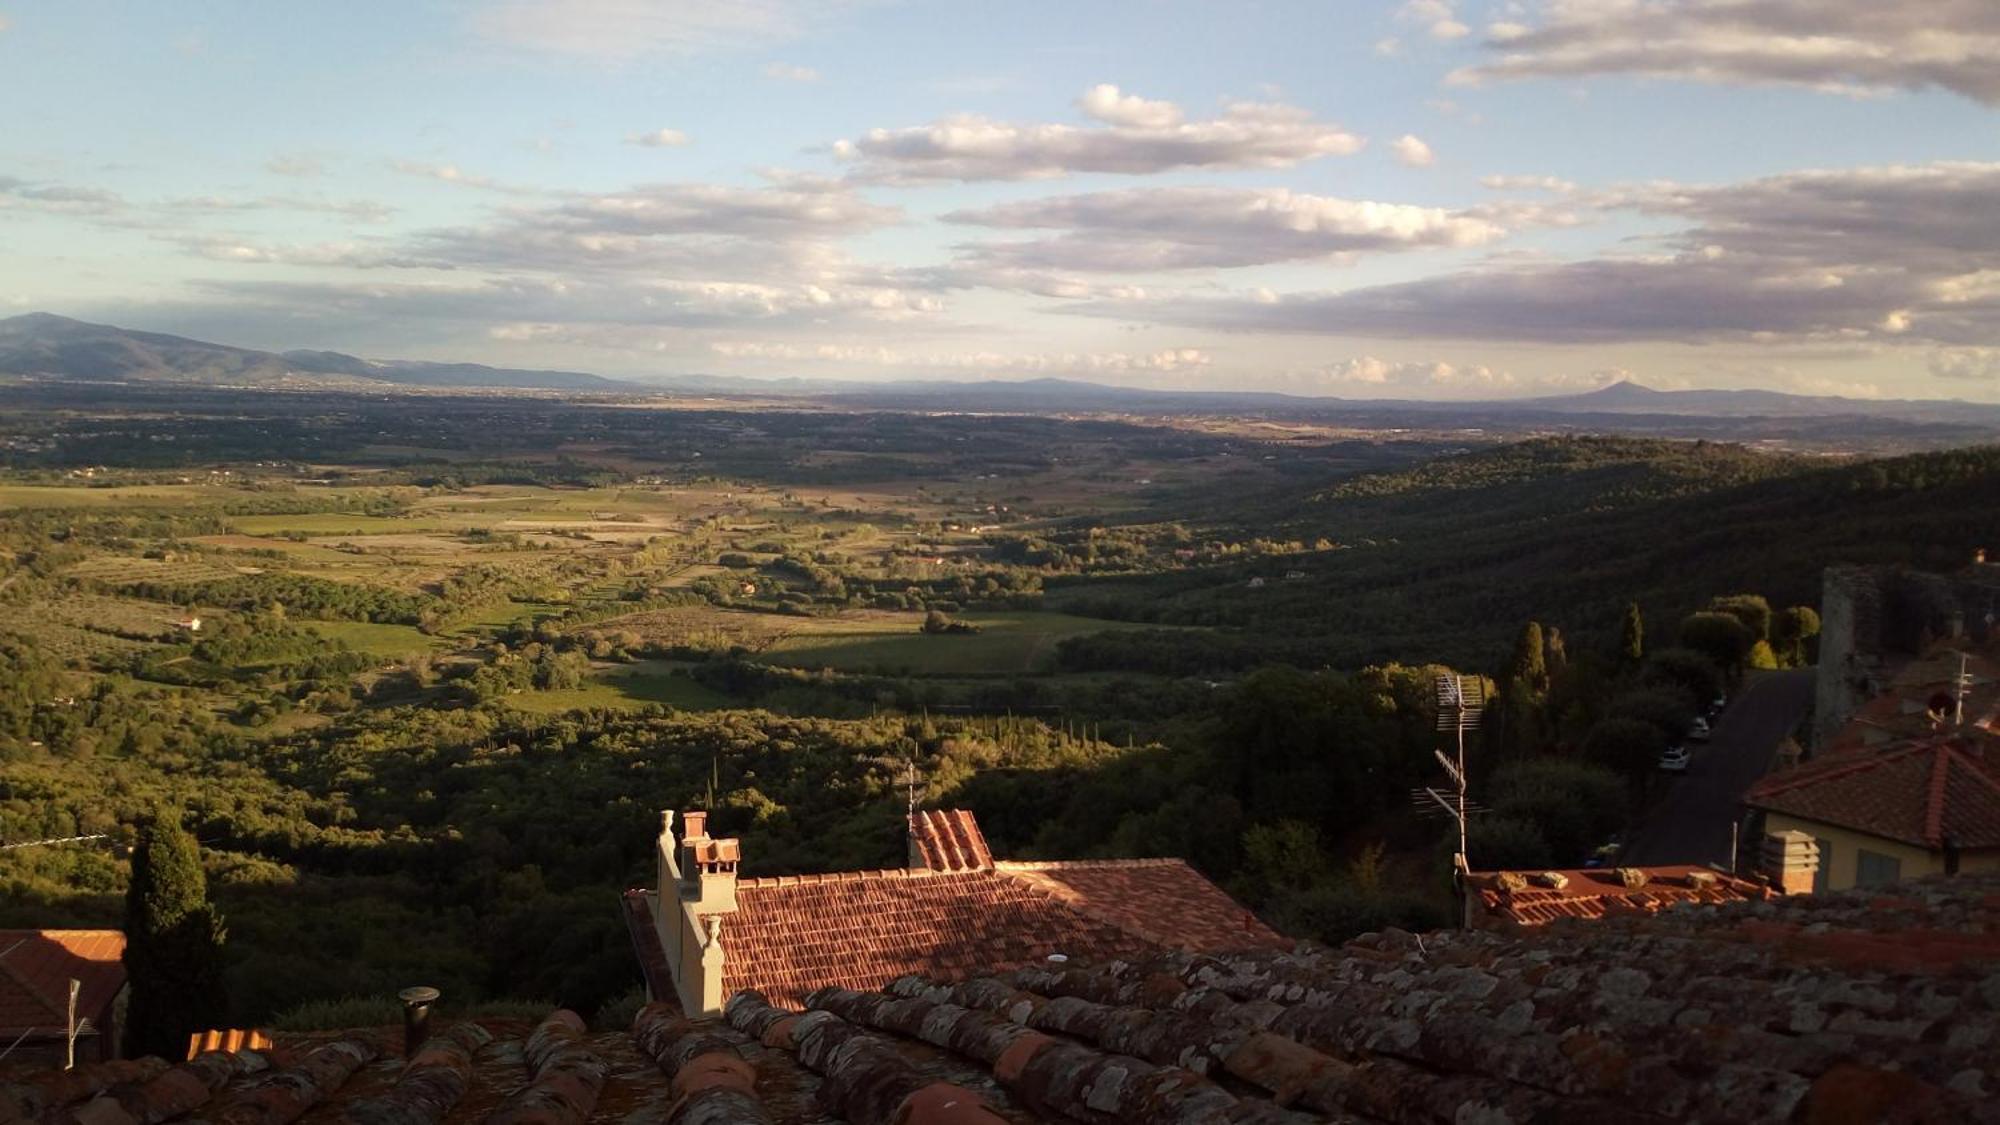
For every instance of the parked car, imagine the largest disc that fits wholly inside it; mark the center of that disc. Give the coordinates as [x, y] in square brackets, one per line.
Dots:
[1716, 705]
[1700, 731]
[1605, 854]
[1675, 760]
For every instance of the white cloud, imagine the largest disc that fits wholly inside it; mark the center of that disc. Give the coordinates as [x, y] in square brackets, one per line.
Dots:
[453, 174]
[658, 138]
[5, 24]
[1438, 18]
[1105, 103]
[1855, 255]
[27, 195]
[1845, 45]
[1139, 136]
[785, 72]
[1976, 364]
[1188, 228]
[1412, 151]
[622, 30]
[1553, 184]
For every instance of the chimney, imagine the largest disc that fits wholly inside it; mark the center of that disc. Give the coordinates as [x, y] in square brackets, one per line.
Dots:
[416, 1017]
[1791, 860]
[697, 878]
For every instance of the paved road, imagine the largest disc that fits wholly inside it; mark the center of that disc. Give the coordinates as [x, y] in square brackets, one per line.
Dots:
[1691, 824]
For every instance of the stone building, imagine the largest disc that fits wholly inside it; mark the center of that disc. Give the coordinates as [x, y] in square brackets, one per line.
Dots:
[1873, 620]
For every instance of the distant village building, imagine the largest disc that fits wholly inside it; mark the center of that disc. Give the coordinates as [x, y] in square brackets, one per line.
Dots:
[36, 968]
[190, 624]
[1256, 583]
[955, 911]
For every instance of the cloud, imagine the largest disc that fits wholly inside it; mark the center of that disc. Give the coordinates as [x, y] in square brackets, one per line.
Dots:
[1192, 227]
[1852, 255]
[453, 174]
[5, 25]
[295, 164]
[1104, 102]
[624, 30]
[1136, 136]
[28, 195]
[658, 138]
[567, 301]
[1553, 184]
[1969, 364]
[1438, 18]
[785, 72]
[1843, 45]
[1413, 152]
[360, 210]
[1166, 360]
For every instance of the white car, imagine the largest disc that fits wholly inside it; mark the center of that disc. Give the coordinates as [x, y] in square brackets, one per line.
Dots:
[1675, 760]
[1700, 731]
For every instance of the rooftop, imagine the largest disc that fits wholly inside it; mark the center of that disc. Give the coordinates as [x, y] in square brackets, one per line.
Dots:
[1862, 1006]
[36, 967]
[1535, 898]
[1921, 792]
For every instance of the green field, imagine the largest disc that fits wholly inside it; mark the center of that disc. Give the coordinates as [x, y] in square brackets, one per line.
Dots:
[338, 523]
[626, 686]
[386, 641]
[1008, 643]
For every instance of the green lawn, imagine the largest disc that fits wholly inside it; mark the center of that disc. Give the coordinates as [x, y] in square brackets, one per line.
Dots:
[1007, 644]
[386, 641]
[625, 686]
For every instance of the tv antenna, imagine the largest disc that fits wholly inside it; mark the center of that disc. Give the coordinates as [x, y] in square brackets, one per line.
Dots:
[1461, 703]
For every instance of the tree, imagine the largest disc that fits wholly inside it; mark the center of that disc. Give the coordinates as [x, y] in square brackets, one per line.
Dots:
[1557, 659]
[1690, 672]
[1505, 843]
[1632, 638]
[173, 944]
[1722, 637]
[1630, 747]
[1663, 707]
[1530, 675]
[1751, 609]
[1791, 631]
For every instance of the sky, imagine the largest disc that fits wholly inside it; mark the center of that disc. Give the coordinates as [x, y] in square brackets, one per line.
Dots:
[1426, 199]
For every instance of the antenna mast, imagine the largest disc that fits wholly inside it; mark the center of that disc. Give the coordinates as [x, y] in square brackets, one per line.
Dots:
[1461, 704]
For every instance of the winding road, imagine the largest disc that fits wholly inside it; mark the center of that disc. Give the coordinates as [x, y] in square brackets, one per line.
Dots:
[1691, 825]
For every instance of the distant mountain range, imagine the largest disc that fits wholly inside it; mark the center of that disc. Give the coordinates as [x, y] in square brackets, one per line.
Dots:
[42, 344]
[56, 346]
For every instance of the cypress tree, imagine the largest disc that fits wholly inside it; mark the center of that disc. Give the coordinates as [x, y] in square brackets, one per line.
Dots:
[1531, 669]
[1632, 641]
[173, 945]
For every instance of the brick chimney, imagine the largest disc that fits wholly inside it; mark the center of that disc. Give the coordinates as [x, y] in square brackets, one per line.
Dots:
[1790, 861]
[697, 877]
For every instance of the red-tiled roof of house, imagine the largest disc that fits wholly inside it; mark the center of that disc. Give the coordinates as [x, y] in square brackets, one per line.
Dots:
[1869, 1005]
[792, 934]
[949, 840]
[1922, 792]
[1531, 898]
[1162, 900]
[1904, 709]
[36, 967]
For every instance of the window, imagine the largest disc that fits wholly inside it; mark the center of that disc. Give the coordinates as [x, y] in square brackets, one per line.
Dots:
[1825, 869]
[1873, 869]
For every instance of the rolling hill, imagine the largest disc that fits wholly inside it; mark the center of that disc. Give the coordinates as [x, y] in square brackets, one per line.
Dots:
[43, 344]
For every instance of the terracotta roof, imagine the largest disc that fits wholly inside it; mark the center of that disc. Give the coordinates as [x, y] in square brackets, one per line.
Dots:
[36, 967]
[1920, 792]
[1530, 898]
[948, 840]
[1903, 709]
[1162, 900]
[1870, 1005]
[792, 934]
